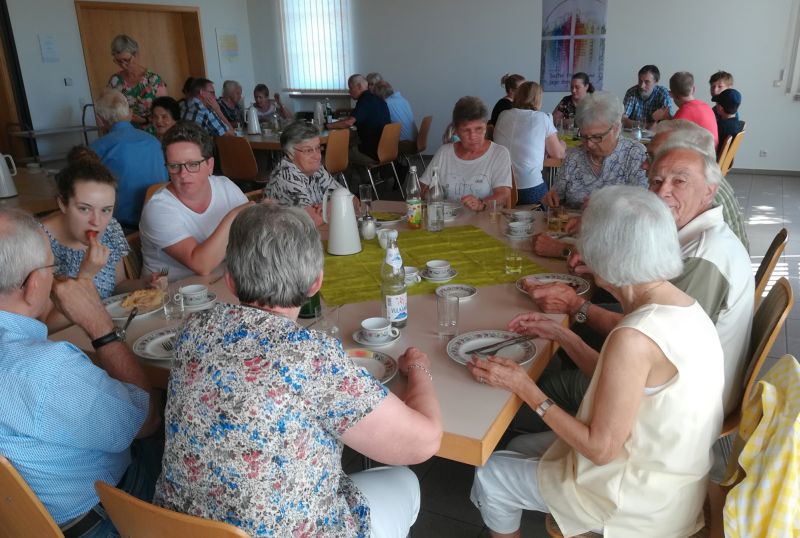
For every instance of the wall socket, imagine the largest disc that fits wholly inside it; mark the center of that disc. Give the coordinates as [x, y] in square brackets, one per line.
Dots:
[762, 153]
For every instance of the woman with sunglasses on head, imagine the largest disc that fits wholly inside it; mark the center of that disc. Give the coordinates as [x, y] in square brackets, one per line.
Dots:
[136, 82]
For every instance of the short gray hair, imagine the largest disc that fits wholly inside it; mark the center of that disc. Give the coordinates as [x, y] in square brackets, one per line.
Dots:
[356, 80]
[599, 107]
[383, 89]
[124, 43]
[112, 106]
[469, 108]
[228, 86]
[628, 236]
[699, 137]
[274, 255]
[23, 248]
[373, 78]
[687, 140]
[296, 132]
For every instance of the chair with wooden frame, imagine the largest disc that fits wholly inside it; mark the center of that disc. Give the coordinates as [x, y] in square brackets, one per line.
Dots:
[255, 196]
[387, 154]
[337, 154]
[767, 265]
[135, 518]
[151, 190]
[723, 149]
[21, 511]
[237, 161]
[513, 198]
[421, 142]
[726, 163]
[132, 262]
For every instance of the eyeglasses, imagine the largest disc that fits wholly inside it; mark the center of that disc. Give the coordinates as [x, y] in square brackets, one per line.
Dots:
[309, 151]
[25, 282]
[123, 61]
[190, 166]
[594, 138]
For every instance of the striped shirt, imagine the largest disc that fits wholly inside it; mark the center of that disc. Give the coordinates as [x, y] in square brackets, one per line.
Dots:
[638, 109]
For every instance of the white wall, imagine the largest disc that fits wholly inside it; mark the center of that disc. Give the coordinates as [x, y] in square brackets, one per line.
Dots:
[264, 18]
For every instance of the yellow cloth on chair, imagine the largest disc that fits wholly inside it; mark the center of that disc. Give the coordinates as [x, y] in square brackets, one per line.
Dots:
[766, 503]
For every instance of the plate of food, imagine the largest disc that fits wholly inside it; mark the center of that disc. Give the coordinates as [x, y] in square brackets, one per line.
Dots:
[460, 348]
[147, 301]
[388, 217]
[380, 365]
[577, 283]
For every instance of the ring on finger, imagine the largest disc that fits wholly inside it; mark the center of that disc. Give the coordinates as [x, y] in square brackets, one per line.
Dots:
[481, 380]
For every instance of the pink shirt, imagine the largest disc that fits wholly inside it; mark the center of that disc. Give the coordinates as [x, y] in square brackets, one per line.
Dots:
[700, 113]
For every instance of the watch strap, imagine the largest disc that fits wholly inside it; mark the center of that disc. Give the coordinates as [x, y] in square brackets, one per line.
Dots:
[583, 312]
[542, 408]
[117, 335]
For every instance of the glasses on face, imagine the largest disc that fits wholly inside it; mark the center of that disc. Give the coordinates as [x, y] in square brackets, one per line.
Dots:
[123, 61]
[594, 138]
[190, 166]
[25, 282]
[309, 151]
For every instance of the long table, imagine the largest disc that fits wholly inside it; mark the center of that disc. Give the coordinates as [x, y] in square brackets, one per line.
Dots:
[36, 193]
[475, 416]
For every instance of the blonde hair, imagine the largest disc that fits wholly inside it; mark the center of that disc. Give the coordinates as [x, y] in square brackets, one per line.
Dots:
[528, 96]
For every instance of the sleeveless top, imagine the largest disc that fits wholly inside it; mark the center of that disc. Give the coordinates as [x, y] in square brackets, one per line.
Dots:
[657, 483]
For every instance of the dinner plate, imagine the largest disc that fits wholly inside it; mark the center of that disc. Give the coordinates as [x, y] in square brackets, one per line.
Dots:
[212, 298]
[462, 291]
[459, 348]
[580, 285]
[359, 339]
[380, 365]
[387, 217]
[114, 307]
[450, 276]
[149, 346]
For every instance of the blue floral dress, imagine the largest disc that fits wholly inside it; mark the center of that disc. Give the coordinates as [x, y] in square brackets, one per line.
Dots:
[68, 260]
[255, 411]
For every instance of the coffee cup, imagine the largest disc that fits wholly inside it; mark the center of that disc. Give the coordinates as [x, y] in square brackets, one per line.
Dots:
[519, 228]
[377, 330]
[412, 275]
[385, 235]
[438, 268]
[194, 294]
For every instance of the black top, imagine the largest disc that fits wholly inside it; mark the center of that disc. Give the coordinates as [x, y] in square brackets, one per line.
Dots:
[371, 114]
[727, 127]
[501, 105]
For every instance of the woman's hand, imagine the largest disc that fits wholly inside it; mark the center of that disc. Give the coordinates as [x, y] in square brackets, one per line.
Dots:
[499, 372]
[544, 245]
[551, 199]
[555, 298]
[536, 324]
[94, 259]
[473, 203]
[315, 212]
[411, 356]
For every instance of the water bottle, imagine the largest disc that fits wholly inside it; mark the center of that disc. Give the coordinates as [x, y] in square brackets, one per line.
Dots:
[413, 199]
[393, 287]
[328, 111]
[435, 201]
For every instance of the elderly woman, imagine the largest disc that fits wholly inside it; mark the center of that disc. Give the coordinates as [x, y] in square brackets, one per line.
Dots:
[472, 170]
[165, 112]
[139, 85]
[579, 86]
[629, 461]
[260, 407]
[266, 107]
[511, 83]
[529, 134]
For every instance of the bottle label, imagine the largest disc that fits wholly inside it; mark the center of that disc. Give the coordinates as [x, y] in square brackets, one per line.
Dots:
[414, 212]
[396, 307]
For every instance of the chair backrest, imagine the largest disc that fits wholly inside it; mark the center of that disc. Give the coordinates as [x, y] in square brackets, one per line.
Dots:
[151, 190]
[21, 511]
[255, 196]
[767, 265]
[723, 149]
[337, 151]
[489, 132]
[422, 134]
[135, 518]
[727, 162]
[236, 158]
[389, 143]
[133, 261]
[514, 197]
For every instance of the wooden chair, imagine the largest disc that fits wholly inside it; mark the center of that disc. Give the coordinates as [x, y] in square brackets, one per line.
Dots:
[21, 511]
[133, 261]
[151, 190]
[727, 162]
[387, 153]
[723, 149]
[237, 160]
[513, 199]
[135, 518]
[337, 153]
[422, 142]
[767, 266]
[255, 196]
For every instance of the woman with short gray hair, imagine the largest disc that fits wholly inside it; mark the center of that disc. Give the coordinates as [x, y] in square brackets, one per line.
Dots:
[139, 85]
[630, 459]
[260, 407]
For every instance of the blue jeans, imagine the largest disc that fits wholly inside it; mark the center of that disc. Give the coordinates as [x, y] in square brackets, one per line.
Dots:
[532, 195]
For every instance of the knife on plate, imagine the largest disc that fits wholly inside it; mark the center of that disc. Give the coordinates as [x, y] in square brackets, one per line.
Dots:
[497, 346]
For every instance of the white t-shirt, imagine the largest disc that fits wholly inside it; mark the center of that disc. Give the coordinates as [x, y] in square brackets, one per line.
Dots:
[523, 132]
[478, 177]
[166, 221]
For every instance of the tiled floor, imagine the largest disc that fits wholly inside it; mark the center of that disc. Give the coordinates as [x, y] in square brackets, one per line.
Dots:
[770, 203]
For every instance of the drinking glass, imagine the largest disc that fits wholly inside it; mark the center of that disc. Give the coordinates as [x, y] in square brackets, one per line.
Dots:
[492, 207]
[513, 259]
[327, 320]
[173, 304]
[555, 215]
[365, 195]
[447, 309]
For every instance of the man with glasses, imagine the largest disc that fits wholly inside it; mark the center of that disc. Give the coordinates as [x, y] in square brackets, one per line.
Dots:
[647, 102]
[203, 109]
[185, 225]
[66, 421]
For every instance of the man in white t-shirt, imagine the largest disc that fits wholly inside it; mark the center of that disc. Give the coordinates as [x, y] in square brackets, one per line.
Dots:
[184, 226]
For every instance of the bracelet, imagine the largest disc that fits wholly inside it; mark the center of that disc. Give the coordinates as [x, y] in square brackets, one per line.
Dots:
[419, 366]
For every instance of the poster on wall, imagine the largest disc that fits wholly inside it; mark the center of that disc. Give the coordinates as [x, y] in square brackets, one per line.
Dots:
[573, 40]
[230, 60]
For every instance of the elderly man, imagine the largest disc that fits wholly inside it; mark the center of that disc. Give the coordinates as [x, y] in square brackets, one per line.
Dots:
[204, 110]
[681, 88]
[132, 155]
[369, 116]
[185, 224]
[230, 104]
[66, 421]
[399, 112]
[642, 101]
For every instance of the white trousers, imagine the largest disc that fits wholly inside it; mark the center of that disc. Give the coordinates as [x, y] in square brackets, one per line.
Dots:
[393, 497]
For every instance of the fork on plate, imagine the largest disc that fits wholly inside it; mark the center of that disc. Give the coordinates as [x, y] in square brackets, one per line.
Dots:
[168, 345]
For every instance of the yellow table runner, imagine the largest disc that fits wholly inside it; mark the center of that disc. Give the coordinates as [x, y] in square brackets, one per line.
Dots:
[478, 258]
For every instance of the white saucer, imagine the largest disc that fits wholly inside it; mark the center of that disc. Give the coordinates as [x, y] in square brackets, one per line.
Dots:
[450, 275]
[363, 342]
[212, 298]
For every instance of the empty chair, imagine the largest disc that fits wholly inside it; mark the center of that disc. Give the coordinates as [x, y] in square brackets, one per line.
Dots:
[387, 153]
[21, 511]
[767, 265]
[337, 154]
[237, 160]
[422, 142]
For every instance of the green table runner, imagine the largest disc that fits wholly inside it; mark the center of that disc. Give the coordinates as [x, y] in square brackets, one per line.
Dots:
[478, 258]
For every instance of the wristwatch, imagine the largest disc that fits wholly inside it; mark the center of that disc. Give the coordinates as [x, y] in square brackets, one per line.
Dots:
[583, 312]
[542, 408]
[566, 253]
[117, 335]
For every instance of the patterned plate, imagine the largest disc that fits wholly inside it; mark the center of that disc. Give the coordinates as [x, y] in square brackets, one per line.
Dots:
[114, 307]
[380, 365]
[459, 348]
[149, 346]
[462, 291]
[580, 285]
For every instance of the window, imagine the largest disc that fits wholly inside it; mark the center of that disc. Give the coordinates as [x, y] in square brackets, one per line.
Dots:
[316, 44]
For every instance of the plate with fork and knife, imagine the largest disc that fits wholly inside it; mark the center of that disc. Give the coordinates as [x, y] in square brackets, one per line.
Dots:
[506, 344]
[158, 345]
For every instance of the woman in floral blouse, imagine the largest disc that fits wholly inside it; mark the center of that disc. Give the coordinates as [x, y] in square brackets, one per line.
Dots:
[259, 407]
[136, 82]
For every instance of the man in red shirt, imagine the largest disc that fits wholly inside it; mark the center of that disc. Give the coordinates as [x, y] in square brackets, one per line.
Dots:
[681, 88]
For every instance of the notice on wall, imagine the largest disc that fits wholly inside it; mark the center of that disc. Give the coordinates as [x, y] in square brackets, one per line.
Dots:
[230, 60]
[573, 40]
[49, 49]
